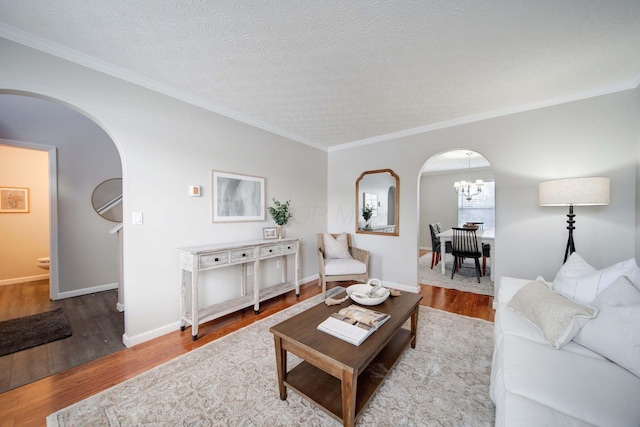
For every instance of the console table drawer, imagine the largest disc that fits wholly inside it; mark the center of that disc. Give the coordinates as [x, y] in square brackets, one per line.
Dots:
[210, 260]
[288, 248]
[243, 255]
[271, 250]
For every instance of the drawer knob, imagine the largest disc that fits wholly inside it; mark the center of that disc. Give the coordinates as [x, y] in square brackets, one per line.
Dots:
[270, 250]
[244, 254]
[217, 259]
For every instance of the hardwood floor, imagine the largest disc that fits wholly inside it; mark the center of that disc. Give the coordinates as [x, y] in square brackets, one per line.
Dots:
[30, 404]
[96, 324]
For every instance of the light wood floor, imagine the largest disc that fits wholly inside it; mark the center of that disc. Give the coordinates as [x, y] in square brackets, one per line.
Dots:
[29, 405]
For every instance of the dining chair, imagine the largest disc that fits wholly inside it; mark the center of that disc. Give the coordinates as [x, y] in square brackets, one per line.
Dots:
[435, 244]
[464, 244]
[486, 253]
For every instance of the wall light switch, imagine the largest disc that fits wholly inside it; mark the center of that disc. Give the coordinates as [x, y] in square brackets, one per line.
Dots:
[137, 218]
[194, 190]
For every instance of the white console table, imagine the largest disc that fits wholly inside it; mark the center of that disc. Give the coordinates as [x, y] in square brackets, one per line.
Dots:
[200, 258]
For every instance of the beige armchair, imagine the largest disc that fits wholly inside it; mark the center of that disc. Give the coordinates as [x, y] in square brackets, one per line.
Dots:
[339, 261]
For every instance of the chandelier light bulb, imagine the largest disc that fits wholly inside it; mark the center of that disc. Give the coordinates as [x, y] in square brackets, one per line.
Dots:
[464, 187]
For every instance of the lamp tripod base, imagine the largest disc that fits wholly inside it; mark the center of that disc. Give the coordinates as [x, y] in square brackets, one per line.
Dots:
[571, 247]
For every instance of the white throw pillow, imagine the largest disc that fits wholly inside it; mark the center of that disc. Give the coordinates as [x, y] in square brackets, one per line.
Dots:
[557, 317]
[337, 247]
[590, 286]
[615, 333]
[568, 275]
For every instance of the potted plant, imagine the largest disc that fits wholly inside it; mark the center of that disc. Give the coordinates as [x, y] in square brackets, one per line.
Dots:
[280, 214]
[367, 213]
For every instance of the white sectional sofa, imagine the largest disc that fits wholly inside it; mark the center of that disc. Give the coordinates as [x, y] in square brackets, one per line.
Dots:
[533, 383]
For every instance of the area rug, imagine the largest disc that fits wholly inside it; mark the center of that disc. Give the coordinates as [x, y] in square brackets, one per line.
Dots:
[31, 331]
[465, 280]
[233, 381]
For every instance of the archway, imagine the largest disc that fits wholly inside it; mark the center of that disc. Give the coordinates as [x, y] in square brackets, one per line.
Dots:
[84, 256]
[439, 202]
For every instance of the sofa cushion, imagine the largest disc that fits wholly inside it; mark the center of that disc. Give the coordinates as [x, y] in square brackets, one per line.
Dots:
[336, 247]
[566, 278]
[588, 287]
[586, 389]
[509, 286]
[341, 267]
[518, 411]
[615, 333]
[555, 315]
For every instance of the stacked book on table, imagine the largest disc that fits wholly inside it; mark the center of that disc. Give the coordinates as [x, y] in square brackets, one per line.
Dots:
[353, 323]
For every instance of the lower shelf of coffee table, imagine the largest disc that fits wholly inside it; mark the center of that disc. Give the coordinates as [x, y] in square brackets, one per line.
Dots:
[325, 390]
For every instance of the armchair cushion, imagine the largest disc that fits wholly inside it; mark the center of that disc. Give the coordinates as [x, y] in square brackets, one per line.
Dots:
[343, 266]
[337, 247]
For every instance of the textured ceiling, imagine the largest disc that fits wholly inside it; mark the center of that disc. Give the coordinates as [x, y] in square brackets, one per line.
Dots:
[341, 73]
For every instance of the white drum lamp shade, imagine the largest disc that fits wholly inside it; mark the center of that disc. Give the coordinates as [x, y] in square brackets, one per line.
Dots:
[572, 192]
[575, 192]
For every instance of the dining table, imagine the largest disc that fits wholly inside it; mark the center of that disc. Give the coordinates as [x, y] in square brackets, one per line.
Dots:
[484, 236]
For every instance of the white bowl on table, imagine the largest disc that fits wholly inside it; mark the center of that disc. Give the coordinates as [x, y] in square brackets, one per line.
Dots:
[360, 293]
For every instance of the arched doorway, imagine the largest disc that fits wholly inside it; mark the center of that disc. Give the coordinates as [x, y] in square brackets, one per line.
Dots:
[83, 254]
[440, 203]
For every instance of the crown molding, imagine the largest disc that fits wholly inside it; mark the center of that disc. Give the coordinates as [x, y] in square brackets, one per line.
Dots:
[60, 51]
[605, 90]
[76, 57]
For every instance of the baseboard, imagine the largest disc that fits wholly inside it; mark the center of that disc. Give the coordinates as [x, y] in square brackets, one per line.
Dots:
[87, 291]
[401, 287]
[131, 341]
[24, 279]
[134, 340]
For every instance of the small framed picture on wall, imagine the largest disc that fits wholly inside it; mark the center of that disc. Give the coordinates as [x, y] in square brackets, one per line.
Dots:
[14, 200]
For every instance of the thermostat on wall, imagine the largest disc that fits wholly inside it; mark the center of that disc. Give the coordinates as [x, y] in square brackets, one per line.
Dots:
[194, 190]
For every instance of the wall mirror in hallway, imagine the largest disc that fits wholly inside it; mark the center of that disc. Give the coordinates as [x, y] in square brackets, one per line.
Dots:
[107, 199]
[378, 203]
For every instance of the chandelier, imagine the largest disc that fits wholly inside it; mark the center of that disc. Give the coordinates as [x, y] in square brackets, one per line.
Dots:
[463, 188]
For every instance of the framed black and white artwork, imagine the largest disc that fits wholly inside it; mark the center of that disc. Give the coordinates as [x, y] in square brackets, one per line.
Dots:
[237, 197]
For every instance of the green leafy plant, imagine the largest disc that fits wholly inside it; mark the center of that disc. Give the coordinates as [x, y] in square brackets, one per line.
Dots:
[367, 212]
[280, 212]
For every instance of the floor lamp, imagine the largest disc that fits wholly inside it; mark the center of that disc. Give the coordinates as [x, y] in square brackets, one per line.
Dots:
[574, 192]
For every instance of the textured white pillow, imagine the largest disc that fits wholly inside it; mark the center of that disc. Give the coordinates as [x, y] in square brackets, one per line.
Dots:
[590, 286]
[555, 315]
[337, 247]
[568, 275]
[615, 333]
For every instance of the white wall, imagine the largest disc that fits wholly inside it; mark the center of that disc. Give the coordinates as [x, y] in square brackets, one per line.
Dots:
[592, 137]
[638, 169]
[167, 145]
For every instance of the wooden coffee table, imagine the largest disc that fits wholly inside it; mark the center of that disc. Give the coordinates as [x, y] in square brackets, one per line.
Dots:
[337, 376]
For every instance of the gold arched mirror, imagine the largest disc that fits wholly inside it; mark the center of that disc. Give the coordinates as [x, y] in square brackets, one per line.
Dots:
[378, 203]
[107, 199]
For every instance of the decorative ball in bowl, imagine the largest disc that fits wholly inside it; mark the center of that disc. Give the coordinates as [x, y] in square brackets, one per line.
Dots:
[368, 293]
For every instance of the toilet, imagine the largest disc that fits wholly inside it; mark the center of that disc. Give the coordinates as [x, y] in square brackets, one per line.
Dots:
[43, 263]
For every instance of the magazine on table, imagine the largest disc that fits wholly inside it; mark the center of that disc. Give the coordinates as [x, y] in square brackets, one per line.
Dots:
[353, 323]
